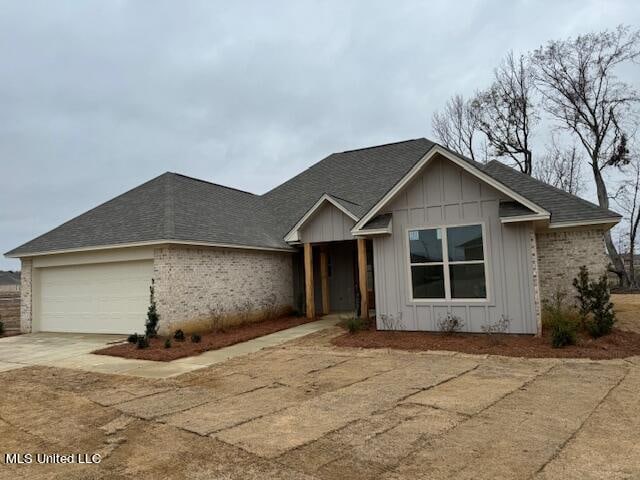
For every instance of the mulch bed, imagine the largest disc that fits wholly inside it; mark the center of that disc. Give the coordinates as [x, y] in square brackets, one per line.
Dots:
[618, 344]
[210, 341]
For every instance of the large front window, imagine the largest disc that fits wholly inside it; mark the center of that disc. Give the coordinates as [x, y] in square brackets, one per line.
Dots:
[447, 263]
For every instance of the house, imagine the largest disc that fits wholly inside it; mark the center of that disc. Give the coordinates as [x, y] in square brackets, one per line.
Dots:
[9, 281]
[409, 230]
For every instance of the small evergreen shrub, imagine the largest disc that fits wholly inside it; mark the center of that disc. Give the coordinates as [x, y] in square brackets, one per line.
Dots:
[167, 343]
[594, 299]
[143, 342]
[151, 325]
[602, 315]
[355, 324]
[450, 324]
[195, 338]
[179, 335]
[133, 338]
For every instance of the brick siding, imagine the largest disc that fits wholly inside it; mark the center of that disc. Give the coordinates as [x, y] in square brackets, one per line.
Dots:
[191, 283]
[560, 255]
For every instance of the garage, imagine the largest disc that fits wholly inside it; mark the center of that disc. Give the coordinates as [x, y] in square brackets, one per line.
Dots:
[93, 298]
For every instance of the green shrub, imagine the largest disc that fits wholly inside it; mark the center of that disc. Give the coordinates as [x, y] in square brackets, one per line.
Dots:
[195, 338]
[151, 325]
[167, 343]
[179, 335]
[602, 315]
[594, 298]
[143, 342]
[563, 322]
[133, 338]
[354, 324]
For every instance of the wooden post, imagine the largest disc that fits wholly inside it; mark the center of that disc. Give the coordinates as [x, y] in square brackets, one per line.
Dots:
[362, 277]
[308, 280]
[324, 276]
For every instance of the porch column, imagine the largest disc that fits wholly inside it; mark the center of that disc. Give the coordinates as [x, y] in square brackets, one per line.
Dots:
[324, 276]
[362, 277]
[308, 280]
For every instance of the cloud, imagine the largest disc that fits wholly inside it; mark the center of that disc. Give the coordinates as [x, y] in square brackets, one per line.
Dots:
[97, 97]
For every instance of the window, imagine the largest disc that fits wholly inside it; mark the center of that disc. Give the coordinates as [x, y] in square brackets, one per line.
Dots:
[447, 263]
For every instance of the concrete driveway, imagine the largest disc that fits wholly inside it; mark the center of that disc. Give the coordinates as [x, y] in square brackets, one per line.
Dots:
[49, 348]
[308, 410]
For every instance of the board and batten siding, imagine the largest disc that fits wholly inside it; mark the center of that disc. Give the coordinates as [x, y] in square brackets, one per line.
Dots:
[327, 224]
[443, 194]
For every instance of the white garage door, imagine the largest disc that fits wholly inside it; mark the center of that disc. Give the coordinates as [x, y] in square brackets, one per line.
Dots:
[96, 298]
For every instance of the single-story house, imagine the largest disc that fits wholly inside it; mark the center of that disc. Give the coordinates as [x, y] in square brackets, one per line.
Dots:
[408, 231]
[9, 282]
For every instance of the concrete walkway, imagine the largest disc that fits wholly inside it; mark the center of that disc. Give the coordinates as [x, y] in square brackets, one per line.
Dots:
[74, 351]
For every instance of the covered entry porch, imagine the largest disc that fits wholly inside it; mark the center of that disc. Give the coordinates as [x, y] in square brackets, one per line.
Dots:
[338, 277]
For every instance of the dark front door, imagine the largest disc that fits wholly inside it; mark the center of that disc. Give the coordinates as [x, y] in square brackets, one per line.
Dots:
[341, 277]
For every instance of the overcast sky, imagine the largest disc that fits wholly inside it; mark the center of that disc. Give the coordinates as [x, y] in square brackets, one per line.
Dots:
[98, 97]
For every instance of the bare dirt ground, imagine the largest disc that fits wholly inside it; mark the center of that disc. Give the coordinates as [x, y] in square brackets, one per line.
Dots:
[310, 410]
[627, 308]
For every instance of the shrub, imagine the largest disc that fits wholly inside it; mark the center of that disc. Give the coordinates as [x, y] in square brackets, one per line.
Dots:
[167, 343]
[216, 318]
[195, 338]
[562, 321]
[594, 298]
[355, 324]
[179, 335]
[498, 327]
[450, 324]
[391, 322]
[143, 342]
[133, 338]
[602, 315]
[151, 325]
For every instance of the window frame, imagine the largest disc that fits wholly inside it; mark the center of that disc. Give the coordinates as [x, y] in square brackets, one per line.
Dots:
[446, 263]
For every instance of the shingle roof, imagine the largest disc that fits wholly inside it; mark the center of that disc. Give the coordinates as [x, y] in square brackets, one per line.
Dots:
[169, 207]
[180, 208]
[513, 209]
[360, 177]
[563, 206]
[379, 221]
[9, 278]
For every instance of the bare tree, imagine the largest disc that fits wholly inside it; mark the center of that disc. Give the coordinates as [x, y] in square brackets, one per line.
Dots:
[457, 126]
[506, 111]
[561, 167]
[628, 200]
[581, 91]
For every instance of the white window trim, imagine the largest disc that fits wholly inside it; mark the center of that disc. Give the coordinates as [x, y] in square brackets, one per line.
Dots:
[445, 262]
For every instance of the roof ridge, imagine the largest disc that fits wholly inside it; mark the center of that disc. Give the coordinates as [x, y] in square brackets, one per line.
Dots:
[559, 190]
[169, 226]
[381, 145]
[211, 183]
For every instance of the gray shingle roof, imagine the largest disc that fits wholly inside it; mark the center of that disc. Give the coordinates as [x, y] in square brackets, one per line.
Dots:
[513, 209]
[9, 278]
[180, 208]
[169, 207]
[563, 206]
[379, 221]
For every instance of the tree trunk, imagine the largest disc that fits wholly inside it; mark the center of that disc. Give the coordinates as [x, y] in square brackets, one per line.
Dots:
[632, 268]
[603, 201]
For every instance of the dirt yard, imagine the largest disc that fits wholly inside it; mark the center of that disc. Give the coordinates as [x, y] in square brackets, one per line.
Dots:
[310, 410]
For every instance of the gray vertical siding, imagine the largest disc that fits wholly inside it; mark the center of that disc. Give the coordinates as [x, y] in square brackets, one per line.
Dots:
[445, 195]
[328, 224]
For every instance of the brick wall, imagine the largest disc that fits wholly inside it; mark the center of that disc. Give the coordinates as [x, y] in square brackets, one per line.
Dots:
[25, 296]
[561, 253]
[191, 282]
